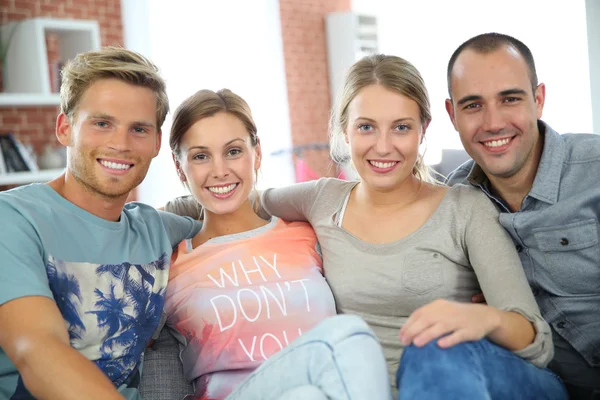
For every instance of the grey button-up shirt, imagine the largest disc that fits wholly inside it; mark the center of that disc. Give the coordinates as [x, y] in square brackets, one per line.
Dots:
[556, 234]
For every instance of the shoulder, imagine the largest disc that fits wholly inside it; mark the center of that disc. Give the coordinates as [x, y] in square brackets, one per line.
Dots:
[150, 214]
[467, 200]
[581, 147]
[334, 188]
[30, 202]
[25, 196]
[465, 192]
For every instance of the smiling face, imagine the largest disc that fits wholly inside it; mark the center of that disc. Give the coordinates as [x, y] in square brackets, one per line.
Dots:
[495, 110]
[218, 162]
[384, 132]
[112, 137]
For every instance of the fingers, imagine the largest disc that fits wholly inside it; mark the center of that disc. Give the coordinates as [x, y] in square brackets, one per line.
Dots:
[456, 337]
[478, 298]
[413, 327]
[422, 319]
[433, 332]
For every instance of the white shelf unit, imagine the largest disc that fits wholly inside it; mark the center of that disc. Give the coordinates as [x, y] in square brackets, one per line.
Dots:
[350, 36]
[27, 76]
[23, 178]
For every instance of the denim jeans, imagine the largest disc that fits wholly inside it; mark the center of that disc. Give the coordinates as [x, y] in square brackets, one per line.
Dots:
[473, 370]
[340, 358]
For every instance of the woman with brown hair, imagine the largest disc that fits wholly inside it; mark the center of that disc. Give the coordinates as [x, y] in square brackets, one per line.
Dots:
[247, 292]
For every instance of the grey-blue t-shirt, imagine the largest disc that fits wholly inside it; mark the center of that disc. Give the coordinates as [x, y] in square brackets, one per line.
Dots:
[107, 278]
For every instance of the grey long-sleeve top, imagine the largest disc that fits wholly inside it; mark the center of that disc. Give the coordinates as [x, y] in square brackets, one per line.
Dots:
[459, 251]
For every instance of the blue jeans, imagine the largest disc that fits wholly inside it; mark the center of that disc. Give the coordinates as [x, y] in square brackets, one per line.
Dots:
[340, 358]
[473, 370]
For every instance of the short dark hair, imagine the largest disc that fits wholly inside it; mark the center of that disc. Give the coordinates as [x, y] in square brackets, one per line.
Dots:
[489, 42]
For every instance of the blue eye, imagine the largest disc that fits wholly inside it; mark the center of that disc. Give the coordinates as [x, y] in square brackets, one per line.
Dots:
[365, 127]
[139, 130]
[403, 127]
[101, 124]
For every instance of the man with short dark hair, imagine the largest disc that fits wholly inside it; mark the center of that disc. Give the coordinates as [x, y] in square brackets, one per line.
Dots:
[546, 186]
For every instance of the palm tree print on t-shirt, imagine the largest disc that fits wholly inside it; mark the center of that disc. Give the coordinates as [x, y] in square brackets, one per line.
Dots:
[111, 310]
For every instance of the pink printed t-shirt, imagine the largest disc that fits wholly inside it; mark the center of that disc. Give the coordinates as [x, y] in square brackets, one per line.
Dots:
[238, 299]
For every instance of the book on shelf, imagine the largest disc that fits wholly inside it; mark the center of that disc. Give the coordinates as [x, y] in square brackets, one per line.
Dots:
[2, 162]
[16, 157]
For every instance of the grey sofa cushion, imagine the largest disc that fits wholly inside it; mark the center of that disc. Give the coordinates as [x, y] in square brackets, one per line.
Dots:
[162, 372]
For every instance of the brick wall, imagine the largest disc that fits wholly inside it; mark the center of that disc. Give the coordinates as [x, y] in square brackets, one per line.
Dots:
[305, 55]
[36, 125]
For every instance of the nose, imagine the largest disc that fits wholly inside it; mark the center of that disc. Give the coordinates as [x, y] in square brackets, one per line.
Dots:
[119, 140]
[220, 169]
[383, 143]
[493, 120]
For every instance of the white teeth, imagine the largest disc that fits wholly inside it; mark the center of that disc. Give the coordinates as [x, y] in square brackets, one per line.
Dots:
[497, 143]
[222, 189]
[114, 165]
[383, 165]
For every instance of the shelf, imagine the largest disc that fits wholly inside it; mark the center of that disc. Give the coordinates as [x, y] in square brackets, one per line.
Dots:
[28, 99]
[23, 178]
[27, 67]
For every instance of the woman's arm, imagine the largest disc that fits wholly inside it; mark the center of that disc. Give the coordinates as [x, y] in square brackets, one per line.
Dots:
[501, 277]
[292, 203]
[511, 318]
[453, 323]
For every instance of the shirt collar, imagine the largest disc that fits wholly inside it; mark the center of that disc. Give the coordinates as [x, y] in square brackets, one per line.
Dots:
[547, 179]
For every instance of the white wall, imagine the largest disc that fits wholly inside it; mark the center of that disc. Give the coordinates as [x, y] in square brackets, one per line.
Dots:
[207, 44]
[426, 32]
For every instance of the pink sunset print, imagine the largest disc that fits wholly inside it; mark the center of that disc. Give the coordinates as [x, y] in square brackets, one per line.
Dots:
[238, 302]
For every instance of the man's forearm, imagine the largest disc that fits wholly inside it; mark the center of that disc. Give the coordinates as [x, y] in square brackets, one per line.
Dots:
[53, 370]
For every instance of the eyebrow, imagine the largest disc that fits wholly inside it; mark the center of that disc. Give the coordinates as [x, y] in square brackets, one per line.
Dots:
[145, 124]
[396, 120]
[503, 93]
[226, 144]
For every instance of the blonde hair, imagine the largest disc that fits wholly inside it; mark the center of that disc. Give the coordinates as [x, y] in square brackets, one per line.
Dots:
[393, 73]
[116, 63]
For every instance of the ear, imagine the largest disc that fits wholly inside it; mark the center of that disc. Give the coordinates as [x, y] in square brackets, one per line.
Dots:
[540, 99]
[450, 111]
[425, 126]
[180, 173]
[63, 129]
[158, 143]
[258, 159]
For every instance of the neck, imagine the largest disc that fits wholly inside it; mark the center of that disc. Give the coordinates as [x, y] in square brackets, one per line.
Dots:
[515, 188]
[108, 208]
[241, 220]
[388, 200]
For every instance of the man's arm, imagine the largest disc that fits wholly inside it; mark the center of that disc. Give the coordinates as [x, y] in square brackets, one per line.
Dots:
[35, 338]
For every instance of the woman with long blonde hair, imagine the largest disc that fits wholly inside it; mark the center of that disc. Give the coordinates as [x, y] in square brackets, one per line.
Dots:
[406, 253]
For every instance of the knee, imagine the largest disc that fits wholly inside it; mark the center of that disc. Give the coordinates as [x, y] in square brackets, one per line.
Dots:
[433, 355]
[339, 328]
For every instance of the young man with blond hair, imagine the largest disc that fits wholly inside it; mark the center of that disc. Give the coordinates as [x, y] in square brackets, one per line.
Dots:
[82, 274]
